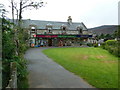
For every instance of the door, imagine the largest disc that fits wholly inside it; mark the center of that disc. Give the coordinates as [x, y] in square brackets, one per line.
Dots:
[49, 42]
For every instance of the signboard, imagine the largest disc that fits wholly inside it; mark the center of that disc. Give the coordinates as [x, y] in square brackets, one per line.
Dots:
[64, 36]
[34, 35]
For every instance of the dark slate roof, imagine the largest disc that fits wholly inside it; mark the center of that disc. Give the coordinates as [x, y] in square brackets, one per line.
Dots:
[55, 25]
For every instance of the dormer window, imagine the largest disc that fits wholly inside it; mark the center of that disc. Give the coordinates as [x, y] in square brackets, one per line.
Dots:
[33, 29]
[63, 27]
[49, 30]
[49, 27]
[80, 29]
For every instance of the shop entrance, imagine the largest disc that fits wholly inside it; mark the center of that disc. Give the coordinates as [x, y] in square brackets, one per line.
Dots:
[49, 42]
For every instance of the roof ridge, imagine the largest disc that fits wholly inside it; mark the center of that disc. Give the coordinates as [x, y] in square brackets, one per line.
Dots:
[53, 21]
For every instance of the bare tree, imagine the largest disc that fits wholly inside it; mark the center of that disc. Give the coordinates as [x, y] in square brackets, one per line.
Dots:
[22, 5]
[12, 4]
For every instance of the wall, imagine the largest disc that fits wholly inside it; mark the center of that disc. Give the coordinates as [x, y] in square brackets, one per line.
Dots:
[59, 32]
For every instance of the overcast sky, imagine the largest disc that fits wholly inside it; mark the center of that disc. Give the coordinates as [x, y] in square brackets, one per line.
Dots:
[92, 13]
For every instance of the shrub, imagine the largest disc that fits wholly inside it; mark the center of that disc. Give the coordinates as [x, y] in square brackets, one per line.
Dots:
[111, 42]
[103, 45]
[89, 44]
[95, 45]
[22, 73]
[112, 47]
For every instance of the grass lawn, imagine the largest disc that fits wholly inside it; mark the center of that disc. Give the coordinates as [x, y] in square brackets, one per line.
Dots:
[95, 65]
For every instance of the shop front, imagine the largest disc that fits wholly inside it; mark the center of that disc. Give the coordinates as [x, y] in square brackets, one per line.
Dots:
[60, 40]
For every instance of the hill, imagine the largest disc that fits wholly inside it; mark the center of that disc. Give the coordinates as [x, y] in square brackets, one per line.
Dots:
[105, 29]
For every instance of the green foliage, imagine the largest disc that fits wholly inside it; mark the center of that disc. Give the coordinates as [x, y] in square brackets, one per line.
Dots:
[21, 72]
[92, 45]
[5, 72]
[112, 47]
[111, 42]
[95, 45]
[89, 44]
[108, 36]
[105, 36]
[8, 46]
[23, 37]
[102, 36]
[118, 32]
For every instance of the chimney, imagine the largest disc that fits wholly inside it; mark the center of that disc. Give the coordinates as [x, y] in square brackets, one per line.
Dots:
[69, 20]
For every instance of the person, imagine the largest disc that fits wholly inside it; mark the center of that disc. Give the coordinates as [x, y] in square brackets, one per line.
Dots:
[98, 44]
[42, 43]
[45, 43]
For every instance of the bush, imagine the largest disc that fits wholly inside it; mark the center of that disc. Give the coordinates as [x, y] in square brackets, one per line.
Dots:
[22, 73]
[9, 49]
[95, 45]
[89, 44]
[112, 47]
[111, 42]
[103, 45]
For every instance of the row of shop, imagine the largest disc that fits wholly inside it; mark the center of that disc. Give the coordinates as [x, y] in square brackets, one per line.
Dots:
[55, 40]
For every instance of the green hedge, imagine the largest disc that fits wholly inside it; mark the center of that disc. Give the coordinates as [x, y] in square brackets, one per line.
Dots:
[90, 44]
[112, 47]
[111, 42]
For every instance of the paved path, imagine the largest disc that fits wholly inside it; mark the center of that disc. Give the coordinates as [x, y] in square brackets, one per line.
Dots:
[45, 73]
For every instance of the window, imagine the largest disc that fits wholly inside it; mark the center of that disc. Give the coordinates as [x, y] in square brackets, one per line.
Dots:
[80, 29]
[32, 27]
[50, 31]
[64, 28]
[49, 27]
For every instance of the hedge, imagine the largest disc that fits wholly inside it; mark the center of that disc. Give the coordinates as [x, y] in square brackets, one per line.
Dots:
[112, 47]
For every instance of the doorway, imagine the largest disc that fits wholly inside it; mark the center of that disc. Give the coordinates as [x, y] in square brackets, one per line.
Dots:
[49, 42]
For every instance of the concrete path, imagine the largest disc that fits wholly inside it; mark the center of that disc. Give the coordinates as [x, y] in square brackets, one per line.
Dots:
[45, 73]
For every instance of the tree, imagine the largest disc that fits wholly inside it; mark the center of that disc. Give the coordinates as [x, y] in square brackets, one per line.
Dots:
[22, 5]
[8, 46]
[18, 8]
[116, 34]
[108, 36]
[102, 36]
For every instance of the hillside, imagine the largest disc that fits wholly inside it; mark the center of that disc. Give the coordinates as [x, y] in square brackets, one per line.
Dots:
[105, 29]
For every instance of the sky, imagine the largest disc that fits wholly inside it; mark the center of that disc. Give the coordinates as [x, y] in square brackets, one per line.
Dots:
[92, 13]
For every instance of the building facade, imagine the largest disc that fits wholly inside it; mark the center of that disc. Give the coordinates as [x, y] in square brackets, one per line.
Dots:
[51, 33]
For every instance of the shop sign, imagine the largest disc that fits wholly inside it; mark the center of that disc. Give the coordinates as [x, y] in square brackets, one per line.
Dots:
[62, 36]
[47, 36]
[84, 36]
[34, 35]
[65, 36]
